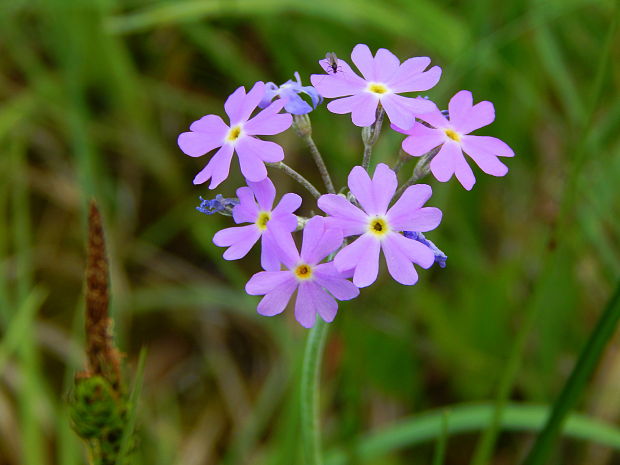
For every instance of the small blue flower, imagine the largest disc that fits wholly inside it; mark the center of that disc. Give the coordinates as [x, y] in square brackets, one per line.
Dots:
[291, 91]
[217, 205]
[440, 257]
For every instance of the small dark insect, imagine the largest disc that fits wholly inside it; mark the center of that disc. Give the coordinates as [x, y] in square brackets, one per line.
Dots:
[332, 62]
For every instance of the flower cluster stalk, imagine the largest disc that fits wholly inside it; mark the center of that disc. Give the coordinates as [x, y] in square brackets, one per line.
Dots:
[310, 376]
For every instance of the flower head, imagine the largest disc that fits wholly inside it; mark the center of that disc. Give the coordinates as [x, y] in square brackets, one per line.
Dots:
[290, 91]
[452, 134]
[318, 285]
[381, 228]
[210, 132]
[384, 78]
[256, 207]
[219, 204]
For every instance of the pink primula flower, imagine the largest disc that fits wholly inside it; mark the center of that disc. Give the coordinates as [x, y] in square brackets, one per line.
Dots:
[318, 285]
[384, 78]
[381, 228]
[453, 136]
[210, 132]
[256, 206]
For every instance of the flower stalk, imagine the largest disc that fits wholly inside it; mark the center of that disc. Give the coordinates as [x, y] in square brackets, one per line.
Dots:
[370, 135]
[297, 177]
[310, 412]
[303, 128]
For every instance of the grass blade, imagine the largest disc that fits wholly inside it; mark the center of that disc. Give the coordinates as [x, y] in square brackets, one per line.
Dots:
[576, 384]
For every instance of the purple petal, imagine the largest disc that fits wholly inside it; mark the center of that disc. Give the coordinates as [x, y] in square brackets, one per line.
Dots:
[362, 106]
[311, 299]
[287, 250]
[360, 184]
[269, 252]
[422, 140]
[327, 276]
[403, 110]
[196, 144]
[435, 118]
[463, 172]
[265, 193]
[384, 184]
[246, 211]
[238, 239]
[485, 154]
[319, 240]
[275, 301]
[207, 134]
[408, 70]
[363, 59]
[262, 150]
[288, 204]
[233, 104]
[480, 115]
[487, 144]
[344, 215]
[269, 122]
[459, 108]
[266, 281]
[412, 80]
[218, 167]
[407, 213]
[386, 65]
[414, 250]
[443, 164]
[399, 266]
[343, 82]
[249, 103]
[363, 256]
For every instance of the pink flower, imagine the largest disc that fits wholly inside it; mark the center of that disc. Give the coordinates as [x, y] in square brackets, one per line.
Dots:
[210, 132]
[453, 136]
[318, 285]
[384, 77]
[380, 228]
[256, 207]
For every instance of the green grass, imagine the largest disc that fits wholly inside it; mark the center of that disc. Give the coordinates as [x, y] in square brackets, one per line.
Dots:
[92, 98]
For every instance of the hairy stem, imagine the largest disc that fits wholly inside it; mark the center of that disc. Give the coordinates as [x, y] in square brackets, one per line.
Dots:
[297, 177]
[403, 158]
[320, 164]
[311, 371]
[303, 128]
[420, 170]
[370, 136]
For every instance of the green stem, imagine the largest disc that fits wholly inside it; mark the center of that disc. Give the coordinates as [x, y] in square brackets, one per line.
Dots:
[577, 381]
[320, 164]
[311, 370]
[370, 135]
[297, 177]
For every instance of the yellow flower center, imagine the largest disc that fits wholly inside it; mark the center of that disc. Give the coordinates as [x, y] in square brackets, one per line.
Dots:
[262, 220]
[303, 271]
[233, 133]
[455, 136]
[378, 226]
[377, 88]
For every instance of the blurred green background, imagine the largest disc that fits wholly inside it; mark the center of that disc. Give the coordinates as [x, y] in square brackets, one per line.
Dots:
[92, 97]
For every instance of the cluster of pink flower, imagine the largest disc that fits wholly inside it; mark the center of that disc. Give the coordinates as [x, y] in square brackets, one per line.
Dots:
[328, 268]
